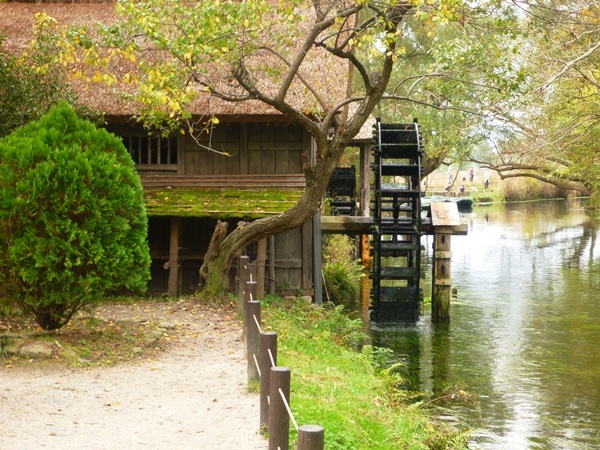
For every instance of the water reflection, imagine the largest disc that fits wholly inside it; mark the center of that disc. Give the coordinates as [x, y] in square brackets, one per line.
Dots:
[524, 331]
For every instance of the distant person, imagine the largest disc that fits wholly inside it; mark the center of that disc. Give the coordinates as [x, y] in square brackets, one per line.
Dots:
[486, 179]
[463, 175]
[471, 175]
[462, 189]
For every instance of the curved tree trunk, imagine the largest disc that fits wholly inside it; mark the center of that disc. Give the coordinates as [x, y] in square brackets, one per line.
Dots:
[217, 270]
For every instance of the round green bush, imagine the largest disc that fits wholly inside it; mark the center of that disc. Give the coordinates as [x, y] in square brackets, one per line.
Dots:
[73, 227]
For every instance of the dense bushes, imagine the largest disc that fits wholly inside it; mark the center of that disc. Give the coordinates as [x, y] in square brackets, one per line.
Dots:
[341, 272]
[72, 220]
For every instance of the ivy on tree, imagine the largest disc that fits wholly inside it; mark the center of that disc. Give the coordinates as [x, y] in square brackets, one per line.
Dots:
[73, 225]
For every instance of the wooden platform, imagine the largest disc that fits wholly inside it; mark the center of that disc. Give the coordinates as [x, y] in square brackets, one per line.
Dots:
[363, 225]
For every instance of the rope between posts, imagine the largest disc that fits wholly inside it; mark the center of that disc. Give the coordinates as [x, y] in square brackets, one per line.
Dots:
[256, 322]
[271, 357]
[256, 364]
[287, 407]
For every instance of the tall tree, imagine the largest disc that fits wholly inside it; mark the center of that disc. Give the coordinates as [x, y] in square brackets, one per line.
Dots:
[552, 133]
[291, 56]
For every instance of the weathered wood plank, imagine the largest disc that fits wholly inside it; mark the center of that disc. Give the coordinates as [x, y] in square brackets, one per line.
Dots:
[224, 181]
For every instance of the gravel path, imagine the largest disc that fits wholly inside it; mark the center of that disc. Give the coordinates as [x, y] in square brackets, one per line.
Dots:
[193, 396]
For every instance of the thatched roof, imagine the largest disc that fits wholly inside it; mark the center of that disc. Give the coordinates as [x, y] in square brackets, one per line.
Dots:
[16, 23]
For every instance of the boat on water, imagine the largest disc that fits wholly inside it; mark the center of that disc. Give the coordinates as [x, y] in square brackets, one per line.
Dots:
[462, 203]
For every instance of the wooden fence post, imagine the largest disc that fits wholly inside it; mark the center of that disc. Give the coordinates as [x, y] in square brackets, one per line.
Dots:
[252, 271]
[272, 282]
[268, 350]
[311, 437]
[242, 277]
[279, 420]
[249, 294]
[253, 339]
[261, 258]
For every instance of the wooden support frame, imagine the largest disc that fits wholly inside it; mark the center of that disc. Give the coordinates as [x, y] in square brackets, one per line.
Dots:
[175, 233]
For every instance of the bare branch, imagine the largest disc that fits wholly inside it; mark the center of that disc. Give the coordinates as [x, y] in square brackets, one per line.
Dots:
[571, 63]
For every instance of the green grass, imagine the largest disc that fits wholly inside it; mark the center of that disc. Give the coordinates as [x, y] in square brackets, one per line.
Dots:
[337, 387]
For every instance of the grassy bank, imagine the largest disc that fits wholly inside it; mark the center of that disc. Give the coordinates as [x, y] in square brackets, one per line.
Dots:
[336, 386]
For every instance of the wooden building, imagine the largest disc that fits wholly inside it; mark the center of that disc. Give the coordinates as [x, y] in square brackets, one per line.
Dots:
[187, 188]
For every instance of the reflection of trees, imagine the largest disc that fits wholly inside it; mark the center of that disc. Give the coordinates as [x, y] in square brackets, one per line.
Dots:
[574, 247]
[588, 240]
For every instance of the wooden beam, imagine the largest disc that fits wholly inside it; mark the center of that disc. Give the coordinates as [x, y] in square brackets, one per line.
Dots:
[261, 258]
[272, 281]
[173, 284]
[346, 224]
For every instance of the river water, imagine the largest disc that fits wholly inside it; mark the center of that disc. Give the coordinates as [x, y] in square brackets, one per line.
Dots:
[524, 337]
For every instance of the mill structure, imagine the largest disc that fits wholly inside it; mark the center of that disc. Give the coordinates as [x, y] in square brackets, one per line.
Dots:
[397, 228]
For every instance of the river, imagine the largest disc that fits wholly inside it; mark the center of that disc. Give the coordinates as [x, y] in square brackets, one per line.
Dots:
[524, 337]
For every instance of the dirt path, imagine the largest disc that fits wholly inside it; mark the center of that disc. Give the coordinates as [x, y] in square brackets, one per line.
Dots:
[193, 396]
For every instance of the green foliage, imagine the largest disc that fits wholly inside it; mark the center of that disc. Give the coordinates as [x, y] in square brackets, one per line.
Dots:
[341, 271]
[72, 220]
[29, 85]
[333, 385]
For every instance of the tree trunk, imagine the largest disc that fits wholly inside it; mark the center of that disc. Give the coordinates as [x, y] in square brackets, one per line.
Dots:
[217, 269]
[213, 251]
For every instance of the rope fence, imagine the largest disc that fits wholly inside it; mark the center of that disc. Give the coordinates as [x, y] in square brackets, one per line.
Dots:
[261, 348]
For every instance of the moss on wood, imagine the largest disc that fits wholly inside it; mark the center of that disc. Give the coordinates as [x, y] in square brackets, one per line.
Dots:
[221, 203]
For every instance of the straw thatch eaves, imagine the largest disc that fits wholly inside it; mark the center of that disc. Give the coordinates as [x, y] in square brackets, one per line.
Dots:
[16, 23]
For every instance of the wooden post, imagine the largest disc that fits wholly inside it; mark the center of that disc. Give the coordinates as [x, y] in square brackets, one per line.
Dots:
[279, 420]
[268, 350]
[317, 259]
[365, 251]
[365, 180]
[272, 281]
[242, 277]
[311, 437]
[365, 201]
[249, 295]
[172, 289]
[445, 221]
[261, 257]
[252, 273]
[442, 277]
[253, 339]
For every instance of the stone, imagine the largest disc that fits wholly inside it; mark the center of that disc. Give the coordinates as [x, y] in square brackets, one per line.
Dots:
[13, 347]
[168, 325]
[37, 349]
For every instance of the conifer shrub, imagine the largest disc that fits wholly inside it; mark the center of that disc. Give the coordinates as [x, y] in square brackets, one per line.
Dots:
[73, 226]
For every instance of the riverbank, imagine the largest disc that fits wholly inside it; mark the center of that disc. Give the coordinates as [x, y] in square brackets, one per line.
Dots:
[349, 392]
[497, 190]
[188, 387]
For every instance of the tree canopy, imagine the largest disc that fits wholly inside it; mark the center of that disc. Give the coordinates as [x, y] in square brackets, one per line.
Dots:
[550, 131]
[32, 82]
